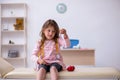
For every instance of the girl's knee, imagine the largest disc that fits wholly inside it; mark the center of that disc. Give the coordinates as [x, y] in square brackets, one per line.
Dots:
[53, 68]
[42, 69]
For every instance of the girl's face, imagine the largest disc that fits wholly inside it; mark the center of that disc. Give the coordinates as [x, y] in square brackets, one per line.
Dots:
[49, 32]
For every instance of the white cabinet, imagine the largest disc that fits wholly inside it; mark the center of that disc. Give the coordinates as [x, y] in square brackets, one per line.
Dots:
[13, 33]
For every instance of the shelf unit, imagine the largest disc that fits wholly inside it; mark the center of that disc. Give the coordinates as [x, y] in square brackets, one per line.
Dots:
[13, 35]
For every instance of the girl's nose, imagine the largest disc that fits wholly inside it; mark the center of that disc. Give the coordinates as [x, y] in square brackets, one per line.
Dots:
[50, 32]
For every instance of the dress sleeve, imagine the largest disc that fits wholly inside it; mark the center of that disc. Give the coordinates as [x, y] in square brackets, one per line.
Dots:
[64, 42]
[35, 52]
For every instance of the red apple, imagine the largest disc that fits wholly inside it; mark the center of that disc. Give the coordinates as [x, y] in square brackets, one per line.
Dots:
[70, 68]
[73, 67]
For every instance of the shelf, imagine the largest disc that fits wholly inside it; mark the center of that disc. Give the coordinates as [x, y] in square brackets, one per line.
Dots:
[12, 31]
[13, 35]
[13, 44]
[13, 4]
[17, 58]
[13, 10]
[12, 17]
[75, 49]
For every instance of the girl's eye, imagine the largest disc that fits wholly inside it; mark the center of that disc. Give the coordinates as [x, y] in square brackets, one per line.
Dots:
[48, 30]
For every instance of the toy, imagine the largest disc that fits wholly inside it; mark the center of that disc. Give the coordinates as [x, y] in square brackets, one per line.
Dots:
[11, 42]
[71, 68]
[13, 53]
[19, 24]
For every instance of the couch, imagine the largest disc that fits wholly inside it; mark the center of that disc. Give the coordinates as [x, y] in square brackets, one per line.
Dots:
[8, 72]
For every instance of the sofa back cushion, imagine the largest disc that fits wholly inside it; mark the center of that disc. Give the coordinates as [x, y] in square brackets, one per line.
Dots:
[5, 67]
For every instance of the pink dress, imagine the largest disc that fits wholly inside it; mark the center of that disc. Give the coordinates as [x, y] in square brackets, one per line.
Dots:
[50, 53]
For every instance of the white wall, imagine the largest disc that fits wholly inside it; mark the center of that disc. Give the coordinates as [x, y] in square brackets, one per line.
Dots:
[96, 23]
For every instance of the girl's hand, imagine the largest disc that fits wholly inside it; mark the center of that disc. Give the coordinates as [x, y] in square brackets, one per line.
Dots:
[63, 31]
[41, 61]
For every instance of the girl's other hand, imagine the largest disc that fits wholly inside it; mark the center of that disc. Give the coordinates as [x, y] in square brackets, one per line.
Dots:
[62, 31]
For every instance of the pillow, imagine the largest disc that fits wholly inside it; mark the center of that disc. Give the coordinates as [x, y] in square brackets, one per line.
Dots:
[5, 67]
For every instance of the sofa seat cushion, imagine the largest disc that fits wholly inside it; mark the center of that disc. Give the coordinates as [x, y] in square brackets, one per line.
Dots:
[21, 73]
[80, 72]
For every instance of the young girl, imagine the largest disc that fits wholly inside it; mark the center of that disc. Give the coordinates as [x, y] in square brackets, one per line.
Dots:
[47, 52]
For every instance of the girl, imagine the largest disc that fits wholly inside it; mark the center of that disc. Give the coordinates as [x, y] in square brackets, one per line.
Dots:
[47, 52]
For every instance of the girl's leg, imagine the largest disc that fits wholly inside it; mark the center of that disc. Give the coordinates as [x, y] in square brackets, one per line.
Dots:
[41, 74]
[53, 73]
